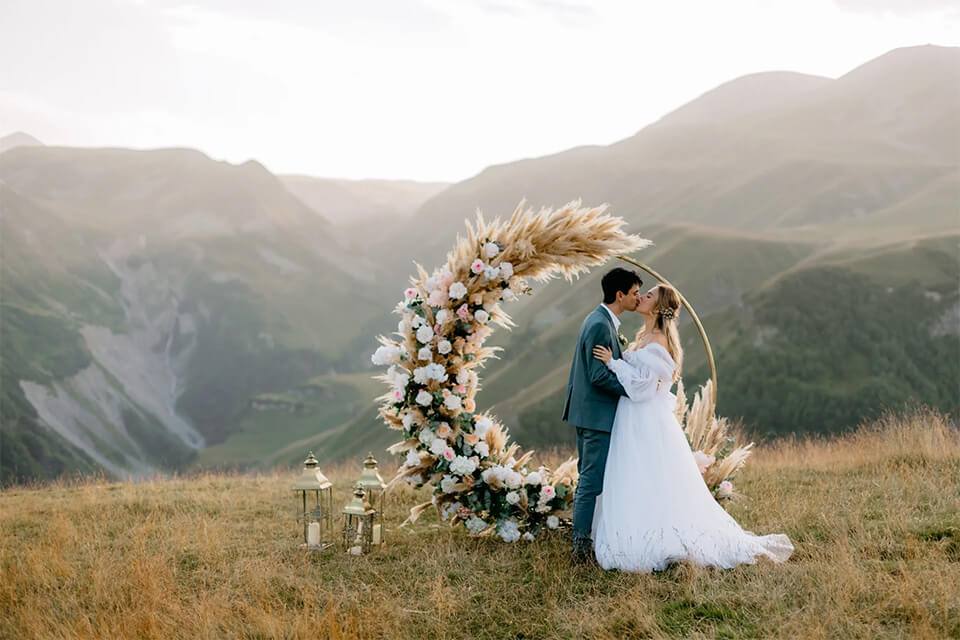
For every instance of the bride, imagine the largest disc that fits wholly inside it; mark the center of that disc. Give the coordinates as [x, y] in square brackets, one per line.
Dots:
[655, 508]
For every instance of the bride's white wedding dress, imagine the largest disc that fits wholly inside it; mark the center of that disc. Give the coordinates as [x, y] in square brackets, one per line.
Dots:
[655, 508]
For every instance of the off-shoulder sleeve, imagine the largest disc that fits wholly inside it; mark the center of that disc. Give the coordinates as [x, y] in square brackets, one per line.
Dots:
[640, 382]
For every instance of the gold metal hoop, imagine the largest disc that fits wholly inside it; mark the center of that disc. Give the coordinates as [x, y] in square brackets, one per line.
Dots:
[693, 314]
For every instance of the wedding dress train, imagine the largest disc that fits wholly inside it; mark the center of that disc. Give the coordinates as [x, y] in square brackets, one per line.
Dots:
[655, 508]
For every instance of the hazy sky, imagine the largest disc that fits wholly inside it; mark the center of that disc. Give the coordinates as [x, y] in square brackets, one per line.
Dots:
[422, 89]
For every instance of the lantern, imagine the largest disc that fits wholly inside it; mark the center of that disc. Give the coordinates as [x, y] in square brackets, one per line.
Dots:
[375, 490]
[316, 506]
[358, 523]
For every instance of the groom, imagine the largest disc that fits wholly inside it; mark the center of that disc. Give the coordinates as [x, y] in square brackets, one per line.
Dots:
[592, 395]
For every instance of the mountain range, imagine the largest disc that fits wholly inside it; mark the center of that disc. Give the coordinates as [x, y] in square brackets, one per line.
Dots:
[163, 310]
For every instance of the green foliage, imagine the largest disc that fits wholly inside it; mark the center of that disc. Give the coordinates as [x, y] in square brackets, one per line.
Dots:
[41, 347]
[830, 349]
[30, 451]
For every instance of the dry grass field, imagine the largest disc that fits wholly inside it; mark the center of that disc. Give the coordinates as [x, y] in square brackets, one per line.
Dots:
[874, 518]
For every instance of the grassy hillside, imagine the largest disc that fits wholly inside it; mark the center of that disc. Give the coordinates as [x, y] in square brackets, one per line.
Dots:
[292, 420]
[873, 516]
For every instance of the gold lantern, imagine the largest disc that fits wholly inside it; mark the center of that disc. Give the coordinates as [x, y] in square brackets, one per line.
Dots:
[358, 523]
[375, 490]
[316, 506]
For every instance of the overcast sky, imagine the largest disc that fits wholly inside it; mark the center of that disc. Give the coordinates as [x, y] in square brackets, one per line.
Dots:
[421, 89]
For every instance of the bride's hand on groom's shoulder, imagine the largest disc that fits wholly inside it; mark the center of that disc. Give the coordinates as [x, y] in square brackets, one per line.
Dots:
[602, 353]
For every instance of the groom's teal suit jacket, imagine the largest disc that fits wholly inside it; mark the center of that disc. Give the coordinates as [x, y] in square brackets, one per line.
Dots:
[593, 390]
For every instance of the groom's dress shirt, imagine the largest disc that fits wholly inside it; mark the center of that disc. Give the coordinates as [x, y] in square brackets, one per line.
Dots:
[616, 320]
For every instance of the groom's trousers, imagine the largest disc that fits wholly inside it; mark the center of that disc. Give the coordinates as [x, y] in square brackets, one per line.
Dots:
[592, 447]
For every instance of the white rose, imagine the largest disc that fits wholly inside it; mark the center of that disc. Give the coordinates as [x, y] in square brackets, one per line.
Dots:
[452, 402]
[482, 449]
[417, 322]
[475, 525]
[425, 354]
[386, 354]
[463, 376]
[444, 347]
[447, 483]
[481, 425]
[553, 522]
[463, 466]
[506, 270]
[509, 530]
[443, 315]
[425, 333]
[408, 420]
[400, 381]
[513, 497]
[424, 398]
[529, 537]
[457, 290]
[436, 371]
[491, 273]
[509, 296]
[413, 459]
[481, 316]
[426, 437]
[513, 479]
[490, 250]
[534, 478]
[438, 446]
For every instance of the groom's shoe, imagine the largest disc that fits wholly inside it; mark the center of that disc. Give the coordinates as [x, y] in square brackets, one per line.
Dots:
[582, 551]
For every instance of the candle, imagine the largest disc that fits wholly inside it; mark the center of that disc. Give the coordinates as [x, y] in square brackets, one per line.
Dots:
[376, 534]
[313, 534]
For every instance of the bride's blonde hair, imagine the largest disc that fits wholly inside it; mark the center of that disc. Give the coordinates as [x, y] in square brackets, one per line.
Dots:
[666, 310]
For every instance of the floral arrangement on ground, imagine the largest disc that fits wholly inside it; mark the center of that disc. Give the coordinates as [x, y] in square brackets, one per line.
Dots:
[480, 479]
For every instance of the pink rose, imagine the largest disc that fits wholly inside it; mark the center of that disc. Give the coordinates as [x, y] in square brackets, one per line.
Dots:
[448, 454]
[460, 388]
[410, 294]
[725, 490]
[703, 460]
[436, 329]
[463, 312]
[548, 492]
[397, 396]
[477, 266]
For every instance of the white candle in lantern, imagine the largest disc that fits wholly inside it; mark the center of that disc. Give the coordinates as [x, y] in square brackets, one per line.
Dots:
[313, 534]
[376, 534]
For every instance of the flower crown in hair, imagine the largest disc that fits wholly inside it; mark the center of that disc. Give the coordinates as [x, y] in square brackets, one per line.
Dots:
[667, 314]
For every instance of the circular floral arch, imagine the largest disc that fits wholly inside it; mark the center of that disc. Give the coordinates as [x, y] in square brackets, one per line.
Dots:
[480, 479]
